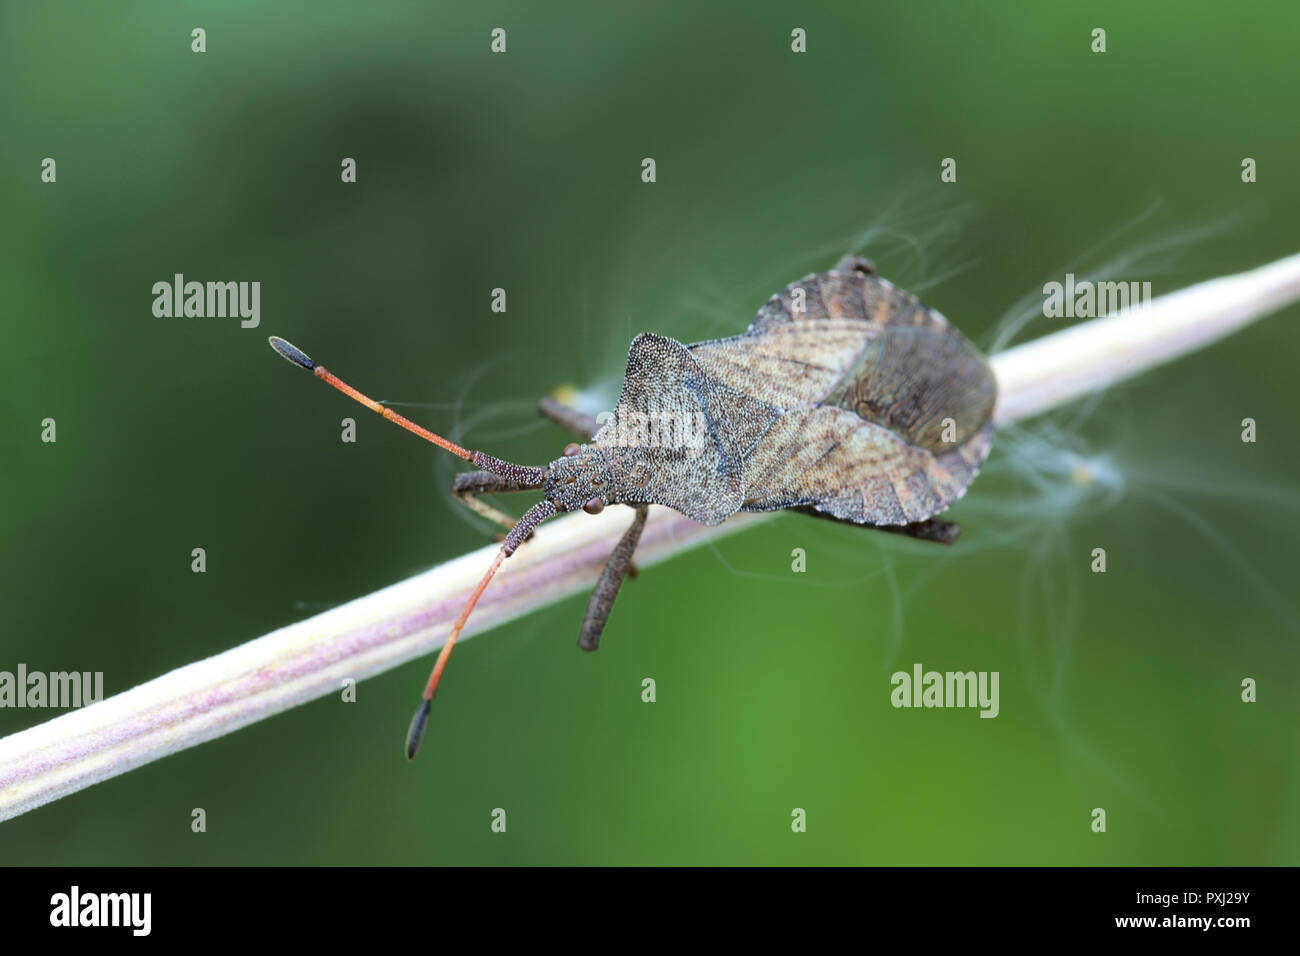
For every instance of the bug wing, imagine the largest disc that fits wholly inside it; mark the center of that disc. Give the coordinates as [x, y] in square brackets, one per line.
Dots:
[789, 366]
[844, 295]
[886, 407]
[833, 460]
[927, 385]
[676, 437]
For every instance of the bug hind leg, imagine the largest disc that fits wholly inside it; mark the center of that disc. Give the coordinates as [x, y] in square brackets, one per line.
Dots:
[931, 529]
[611, 579]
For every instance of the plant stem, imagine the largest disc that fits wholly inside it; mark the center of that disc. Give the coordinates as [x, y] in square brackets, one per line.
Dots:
[313, 658]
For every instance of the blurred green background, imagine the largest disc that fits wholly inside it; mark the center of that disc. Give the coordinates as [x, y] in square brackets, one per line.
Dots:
[522, 171]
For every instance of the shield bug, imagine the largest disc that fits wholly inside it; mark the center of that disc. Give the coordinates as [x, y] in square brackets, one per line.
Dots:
[846, 398]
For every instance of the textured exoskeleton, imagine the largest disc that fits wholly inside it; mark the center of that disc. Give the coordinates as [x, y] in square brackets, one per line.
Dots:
[846, 398]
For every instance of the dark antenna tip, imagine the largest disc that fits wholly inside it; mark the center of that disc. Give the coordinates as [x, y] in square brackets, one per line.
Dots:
[291, 352]
[416, 733]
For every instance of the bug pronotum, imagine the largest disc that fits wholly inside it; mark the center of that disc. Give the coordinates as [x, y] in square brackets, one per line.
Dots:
[846, 398]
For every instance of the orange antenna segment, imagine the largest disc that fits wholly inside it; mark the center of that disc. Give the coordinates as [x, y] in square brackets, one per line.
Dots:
[300, 358]
[531, 519]
[431, 687]
[525, 476]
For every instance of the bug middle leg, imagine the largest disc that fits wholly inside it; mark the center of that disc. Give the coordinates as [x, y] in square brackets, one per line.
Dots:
[611, 578]
[470, 484]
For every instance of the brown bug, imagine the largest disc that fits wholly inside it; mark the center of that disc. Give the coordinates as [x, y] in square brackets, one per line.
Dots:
[846, 399]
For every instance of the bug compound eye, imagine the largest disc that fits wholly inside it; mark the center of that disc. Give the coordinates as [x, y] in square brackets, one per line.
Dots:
[571, 449]
[594, 507]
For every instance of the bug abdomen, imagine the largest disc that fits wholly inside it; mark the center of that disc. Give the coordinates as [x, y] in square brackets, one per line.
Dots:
[889, 433]
[928, 385]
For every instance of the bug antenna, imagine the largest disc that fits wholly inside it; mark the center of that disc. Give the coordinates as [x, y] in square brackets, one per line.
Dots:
[531, 519]
[524, 476]
[533, 477]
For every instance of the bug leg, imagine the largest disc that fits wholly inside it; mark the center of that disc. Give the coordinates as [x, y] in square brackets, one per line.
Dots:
[470, 484]
[853, 263]
[932, 529]
[606, 590]
[582, 425]
[566, 416]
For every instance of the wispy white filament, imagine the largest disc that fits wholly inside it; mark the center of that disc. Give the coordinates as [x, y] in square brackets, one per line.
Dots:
[312, 658]
[1091, 356]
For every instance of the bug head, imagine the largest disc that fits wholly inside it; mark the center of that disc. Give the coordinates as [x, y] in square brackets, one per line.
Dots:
[579, 479]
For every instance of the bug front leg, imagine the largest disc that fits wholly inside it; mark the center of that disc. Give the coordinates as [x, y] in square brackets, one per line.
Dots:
[469, 485]
[606, 590]
[581, 424]
[566, 416]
